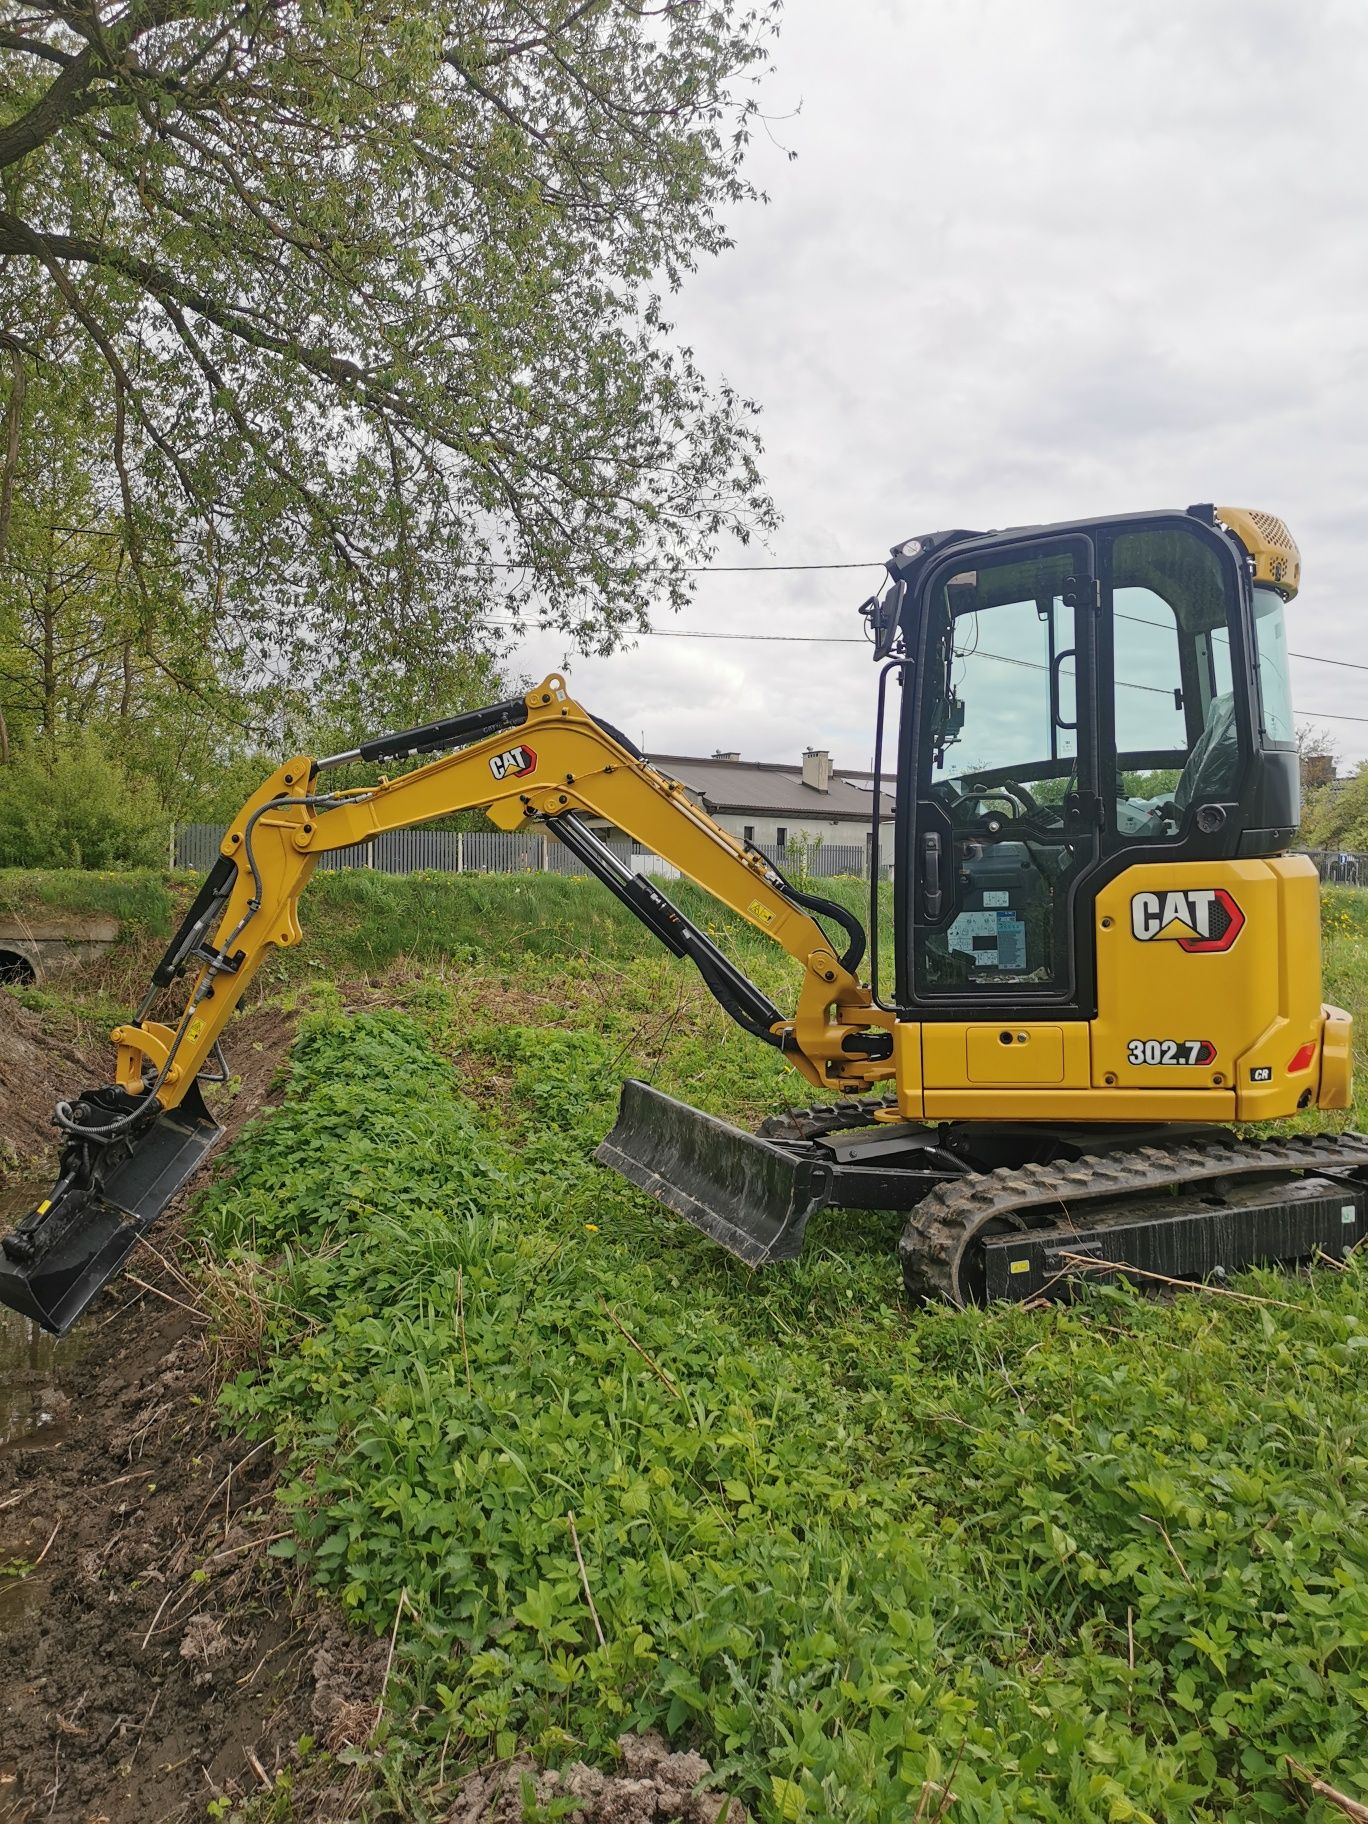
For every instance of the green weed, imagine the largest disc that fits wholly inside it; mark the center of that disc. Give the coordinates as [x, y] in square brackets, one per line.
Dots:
[1103, 1563]
[360, 919]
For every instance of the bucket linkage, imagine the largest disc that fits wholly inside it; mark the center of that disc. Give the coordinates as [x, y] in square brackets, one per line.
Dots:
[108, 1193]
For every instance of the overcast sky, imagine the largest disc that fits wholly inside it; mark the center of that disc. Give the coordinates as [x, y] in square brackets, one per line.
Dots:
[1033, 261]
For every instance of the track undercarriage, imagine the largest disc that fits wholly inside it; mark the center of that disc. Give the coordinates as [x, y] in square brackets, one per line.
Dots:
[1003, 1211]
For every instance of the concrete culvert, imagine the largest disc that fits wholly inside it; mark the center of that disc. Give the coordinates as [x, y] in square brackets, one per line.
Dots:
[16, 970]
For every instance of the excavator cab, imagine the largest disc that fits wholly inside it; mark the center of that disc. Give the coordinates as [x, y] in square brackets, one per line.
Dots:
[1093, 715]
[1077, 701]
[1104, 953]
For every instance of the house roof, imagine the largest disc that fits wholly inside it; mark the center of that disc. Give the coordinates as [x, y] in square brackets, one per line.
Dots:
[771, 788]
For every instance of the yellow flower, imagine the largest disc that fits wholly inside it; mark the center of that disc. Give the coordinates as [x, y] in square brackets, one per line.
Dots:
[592, 1227]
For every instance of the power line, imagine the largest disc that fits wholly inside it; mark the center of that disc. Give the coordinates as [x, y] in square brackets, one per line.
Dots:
[1316, 658]
[815, 639]
[733, 569]
[869, 563]
[788, 639]
[846, 639]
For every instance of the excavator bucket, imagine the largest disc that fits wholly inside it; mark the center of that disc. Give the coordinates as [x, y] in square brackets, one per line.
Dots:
[752, 1196]
[58, 1257]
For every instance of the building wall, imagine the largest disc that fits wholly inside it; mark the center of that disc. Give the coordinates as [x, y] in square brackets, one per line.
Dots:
[765, 829]
[809, 829]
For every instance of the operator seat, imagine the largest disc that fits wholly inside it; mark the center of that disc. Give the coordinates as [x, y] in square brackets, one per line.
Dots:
[1211, 766]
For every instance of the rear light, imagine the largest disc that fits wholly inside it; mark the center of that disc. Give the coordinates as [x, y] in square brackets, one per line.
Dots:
[1301, 1059]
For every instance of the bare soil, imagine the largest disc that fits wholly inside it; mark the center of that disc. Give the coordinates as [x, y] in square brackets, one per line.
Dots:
[153, 1655]
[37, 1066]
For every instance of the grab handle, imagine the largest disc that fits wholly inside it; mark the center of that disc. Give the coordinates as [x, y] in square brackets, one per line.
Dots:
[931, 874]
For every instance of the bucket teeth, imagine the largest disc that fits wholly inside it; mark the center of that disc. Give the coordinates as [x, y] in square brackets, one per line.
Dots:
[753, 1197]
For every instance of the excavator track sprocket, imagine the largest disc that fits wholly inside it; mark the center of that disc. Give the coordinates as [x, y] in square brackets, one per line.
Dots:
[1074, 1205]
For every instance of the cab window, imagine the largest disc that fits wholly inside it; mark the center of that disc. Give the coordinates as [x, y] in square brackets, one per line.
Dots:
[1275, 681]
[1001, 757]
[1177, 741]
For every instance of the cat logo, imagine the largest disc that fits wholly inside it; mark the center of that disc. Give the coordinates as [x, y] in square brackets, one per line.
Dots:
[514, 763]
[1203, 920]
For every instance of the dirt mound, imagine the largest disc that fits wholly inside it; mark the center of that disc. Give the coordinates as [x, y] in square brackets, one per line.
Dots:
[654, 1786]
[256, 1043]
[38, 1065]
[36, 1068]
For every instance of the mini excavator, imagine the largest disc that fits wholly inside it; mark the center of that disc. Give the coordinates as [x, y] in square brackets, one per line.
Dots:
[1103, 954]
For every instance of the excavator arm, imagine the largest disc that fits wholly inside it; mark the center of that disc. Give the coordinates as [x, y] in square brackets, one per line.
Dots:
[130, 1146]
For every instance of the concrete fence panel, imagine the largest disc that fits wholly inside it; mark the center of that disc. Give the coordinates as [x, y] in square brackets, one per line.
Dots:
[534, 851]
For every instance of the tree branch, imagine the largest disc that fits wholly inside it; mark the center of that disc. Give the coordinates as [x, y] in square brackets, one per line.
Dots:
[71, 94]
[35, 47]
[17, 236]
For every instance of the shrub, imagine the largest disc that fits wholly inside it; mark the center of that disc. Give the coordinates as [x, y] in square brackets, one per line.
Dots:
[78, 808]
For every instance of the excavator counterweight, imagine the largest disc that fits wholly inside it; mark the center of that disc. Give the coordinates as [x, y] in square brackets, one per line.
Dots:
[1105, 955]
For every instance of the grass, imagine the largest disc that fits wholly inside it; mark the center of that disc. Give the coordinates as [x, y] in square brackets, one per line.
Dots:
[1103, 1563]
[142, 902]
[383, 928]
[1344, 934]
[362, 920]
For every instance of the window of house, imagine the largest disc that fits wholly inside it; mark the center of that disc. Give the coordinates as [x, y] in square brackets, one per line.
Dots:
[748, 832]
[781, 837]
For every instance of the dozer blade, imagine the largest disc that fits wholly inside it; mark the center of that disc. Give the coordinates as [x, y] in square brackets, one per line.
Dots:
[52, 1276]
[751, 1195]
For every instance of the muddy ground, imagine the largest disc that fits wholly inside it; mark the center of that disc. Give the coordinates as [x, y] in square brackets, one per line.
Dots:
[37, 1065]
[154, 1658]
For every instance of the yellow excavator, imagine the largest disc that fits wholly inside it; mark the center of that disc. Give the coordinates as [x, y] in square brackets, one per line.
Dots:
[1103, 953]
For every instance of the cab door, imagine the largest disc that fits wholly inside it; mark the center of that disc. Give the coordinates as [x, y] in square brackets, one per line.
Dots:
[999, 772]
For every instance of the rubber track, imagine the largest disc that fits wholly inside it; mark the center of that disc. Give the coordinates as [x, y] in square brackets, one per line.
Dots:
[943, 1227]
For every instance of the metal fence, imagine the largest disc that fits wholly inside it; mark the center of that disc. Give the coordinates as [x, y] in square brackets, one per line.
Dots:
[532, 851]
[535, 851]
[1341, 867]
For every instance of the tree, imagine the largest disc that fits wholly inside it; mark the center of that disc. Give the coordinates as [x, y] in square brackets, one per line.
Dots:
[82, 647]
[157, 682]
[1336, 814]
[78, 808]
[1317, 758]
[375, 299]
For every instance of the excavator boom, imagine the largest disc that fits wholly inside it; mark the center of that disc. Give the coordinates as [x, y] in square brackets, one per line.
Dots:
[131, 1145]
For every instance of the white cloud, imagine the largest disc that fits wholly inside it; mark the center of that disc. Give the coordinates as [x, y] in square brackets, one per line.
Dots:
[1032, 262]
